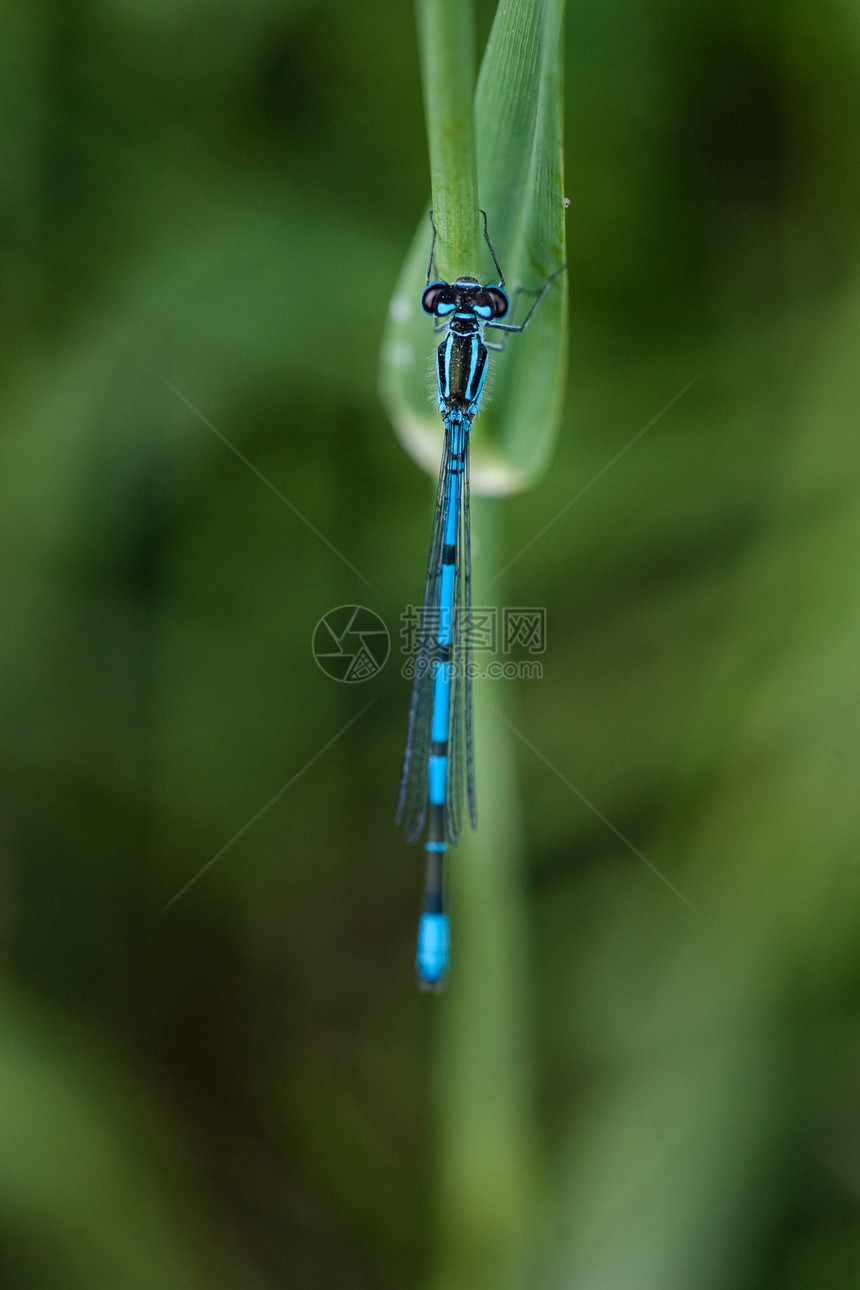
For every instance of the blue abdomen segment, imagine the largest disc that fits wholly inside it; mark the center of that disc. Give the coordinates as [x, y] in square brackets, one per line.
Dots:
[438, 777]
[441, 702]
[431, 959]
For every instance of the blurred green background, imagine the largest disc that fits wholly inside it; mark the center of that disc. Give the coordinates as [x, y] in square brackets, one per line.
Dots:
[246, 1090]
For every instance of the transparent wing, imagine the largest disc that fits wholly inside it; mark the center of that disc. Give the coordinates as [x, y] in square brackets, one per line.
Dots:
[456, 738]
[412, 802]
[461, 771]
[467, 648]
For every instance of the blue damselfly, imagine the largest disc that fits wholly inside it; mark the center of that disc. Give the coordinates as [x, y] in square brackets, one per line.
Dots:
[438, 762]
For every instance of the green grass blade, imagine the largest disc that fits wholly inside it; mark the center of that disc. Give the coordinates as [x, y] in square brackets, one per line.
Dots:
[517, 125]
[447, 47]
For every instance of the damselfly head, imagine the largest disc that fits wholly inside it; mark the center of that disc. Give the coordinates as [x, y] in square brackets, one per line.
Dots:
[442, 298]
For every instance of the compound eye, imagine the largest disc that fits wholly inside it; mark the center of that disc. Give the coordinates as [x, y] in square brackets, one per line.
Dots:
[430, 298]
[498, 301]
[482, 304]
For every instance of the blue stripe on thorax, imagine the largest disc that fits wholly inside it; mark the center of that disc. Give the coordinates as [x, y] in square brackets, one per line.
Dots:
[470, 345]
